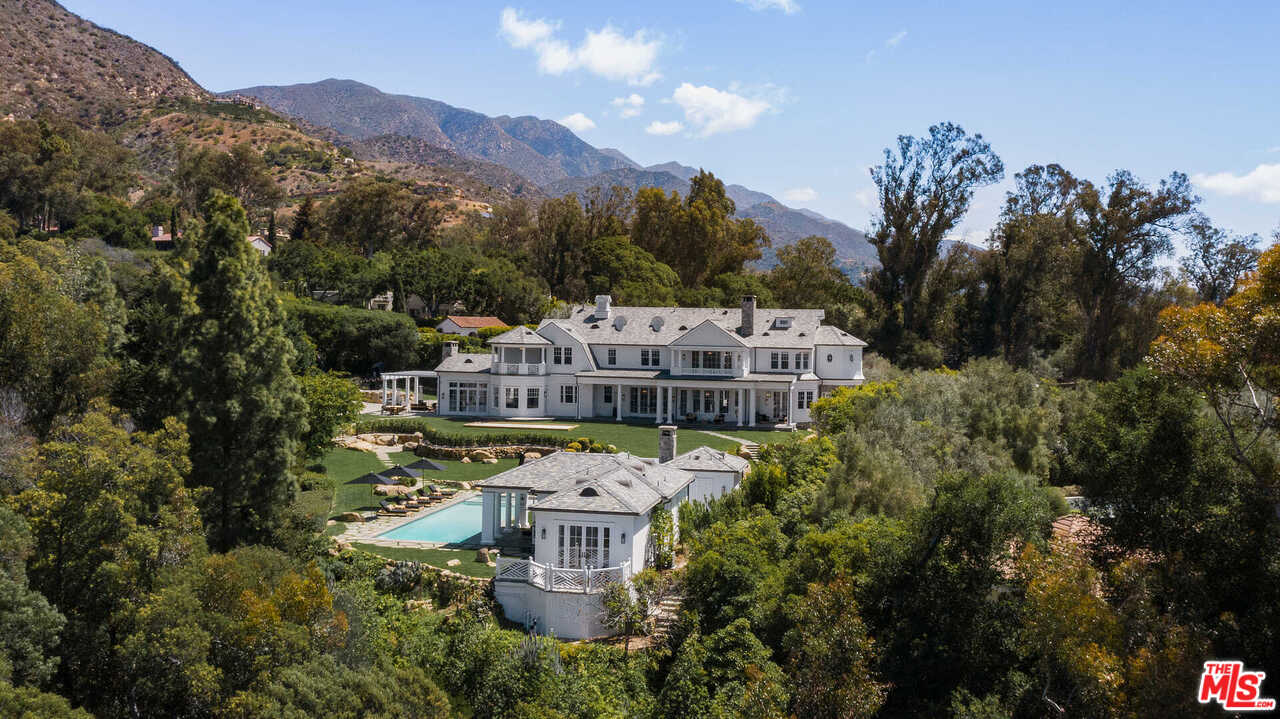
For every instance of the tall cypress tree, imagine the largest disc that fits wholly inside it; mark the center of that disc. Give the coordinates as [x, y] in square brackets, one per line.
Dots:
[246, 412]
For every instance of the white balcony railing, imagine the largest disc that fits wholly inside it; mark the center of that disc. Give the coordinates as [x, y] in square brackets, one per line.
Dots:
[707, 371]
[561, 579]
[520, 368]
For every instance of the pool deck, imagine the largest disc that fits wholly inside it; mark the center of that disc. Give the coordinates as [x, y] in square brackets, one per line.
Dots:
[367, 532]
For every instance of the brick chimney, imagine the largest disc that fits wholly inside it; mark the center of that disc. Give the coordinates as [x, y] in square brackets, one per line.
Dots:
[748, 327]
[666, 443]
[450, 349]
[602, 306]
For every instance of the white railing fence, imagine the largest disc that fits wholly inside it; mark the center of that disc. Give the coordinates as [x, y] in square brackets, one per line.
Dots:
[560, 579]
[520, 368]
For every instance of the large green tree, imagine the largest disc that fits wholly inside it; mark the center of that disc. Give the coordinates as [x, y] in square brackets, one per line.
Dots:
[246, 410]
[924, 191]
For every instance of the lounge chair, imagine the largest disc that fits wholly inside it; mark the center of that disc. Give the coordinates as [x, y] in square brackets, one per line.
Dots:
[389, 508]
[442, 491]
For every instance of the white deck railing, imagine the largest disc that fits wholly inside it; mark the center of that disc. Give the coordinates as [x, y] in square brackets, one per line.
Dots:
[560, 579]
[520, 368]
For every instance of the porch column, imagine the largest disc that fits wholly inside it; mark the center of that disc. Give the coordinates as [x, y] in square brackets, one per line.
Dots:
[657, 416]
[511, 509]
[617, 403]
[384, 389]
[751, 394]
[522, 513]
[577, 398]
[742, 406]
[489, 515]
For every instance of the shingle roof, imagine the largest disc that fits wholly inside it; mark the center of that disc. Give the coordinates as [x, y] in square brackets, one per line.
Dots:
[620, 482]
[705, 459]
[475, 322]
[520, 336]
[466, 362]
[828, 335]
[640, 327]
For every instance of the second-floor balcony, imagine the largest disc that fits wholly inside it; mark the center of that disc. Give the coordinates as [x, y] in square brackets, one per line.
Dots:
[525, 368]
[707, 371]
[561, 579]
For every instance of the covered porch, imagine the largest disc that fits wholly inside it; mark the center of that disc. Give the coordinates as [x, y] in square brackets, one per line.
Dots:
[504, 515]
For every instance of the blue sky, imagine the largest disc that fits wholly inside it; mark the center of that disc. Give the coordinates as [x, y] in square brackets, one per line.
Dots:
[798, 97]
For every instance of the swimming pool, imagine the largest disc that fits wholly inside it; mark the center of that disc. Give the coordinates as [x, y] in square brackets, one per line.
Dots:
[454, 524]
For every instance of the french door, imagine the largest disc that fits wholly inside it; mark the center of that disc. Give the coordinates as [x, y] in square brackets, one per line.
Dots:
[580, 546]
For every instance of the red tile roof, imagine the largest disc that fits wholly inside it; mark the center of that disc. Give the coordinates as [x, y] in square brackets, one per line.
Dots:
[475, 322]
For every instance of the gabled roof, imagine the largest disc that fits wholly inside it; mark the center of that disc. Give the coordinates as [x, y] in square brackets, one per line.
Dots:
[474, 323]
[466, 362]
[828, 335]
[705, 459]
[641, 328]
[708, 333]
[519, 336]
[618, 483]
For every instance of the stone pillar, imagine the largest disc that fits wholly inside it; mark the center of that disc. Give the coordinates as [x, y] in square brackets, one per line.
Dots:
[617, 402]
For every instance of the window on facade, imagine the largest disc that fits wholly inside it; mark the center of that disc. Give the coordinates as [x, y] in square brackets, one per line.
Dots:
[802, 360]
[830, 358]
[613, 356]
[557, 356]
[513, 397]
[568, 394]
[644, 400]
[608, 394]
[579, 545]
[695, 360]
[773, 360]
[532, 398]
[804, 398]
[568, 355]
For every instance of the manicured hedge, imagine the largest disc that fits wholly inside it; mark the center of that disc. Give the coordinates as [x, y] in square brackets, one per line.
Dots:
[349, 339]
[407, 425]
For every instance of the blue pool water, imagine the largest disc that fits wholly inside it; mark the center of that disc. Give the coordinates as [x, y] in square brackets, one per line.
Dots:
[455, 523]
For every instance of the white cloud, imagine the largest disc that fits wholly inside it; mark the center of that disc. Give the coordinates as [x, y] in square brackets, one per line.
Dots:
[800, 194]
[866, 197]
[1261, 184]
[898, 37]
[1274, 149]
[605, 52]
[787, 6]
[712, 111]
[578, 122]
[664, 128]
[631, 105]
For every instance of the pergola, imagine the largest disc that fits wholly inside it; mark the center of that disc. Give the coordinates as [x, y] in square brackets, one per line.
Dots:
[404, 387]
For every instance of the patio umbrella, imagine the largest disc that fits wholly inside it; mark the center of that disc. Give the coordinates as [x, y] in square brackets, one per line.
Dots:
[427, 464]
[398, 471]
[372, 479]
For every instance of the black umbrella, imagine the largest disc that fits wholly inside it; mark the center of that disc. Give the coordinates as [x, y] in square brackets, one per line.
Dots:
[398, 471]
[427, 464]
[372, 479]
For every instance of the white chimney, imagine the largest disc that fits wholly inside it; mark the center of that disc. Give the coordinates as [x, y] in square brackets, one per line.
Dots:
[666, 443]
[157, 231]
[450, 349]
[602, 306]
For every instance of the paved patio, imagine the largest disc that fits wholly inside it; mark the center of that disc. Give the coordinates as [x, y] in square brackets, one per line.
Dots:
[367, 532]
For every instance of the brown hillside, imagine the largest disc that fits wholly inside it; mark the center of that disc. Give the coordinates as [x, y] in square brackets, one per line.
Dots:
[57, 62]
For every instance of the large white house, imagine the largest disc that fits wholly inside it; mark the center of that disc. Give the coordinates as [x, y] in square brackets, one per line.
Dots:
[589, 516]
[738, 367]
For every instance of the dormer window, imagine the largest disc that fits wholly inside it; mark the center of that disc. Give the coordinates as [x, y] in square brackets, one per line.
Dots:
[589, 492]
[782, 323]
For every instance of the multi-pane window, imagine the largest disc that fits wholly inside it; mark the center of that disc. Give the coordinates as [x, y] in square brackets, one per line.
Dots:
[804, 398]
[608, 394]
[644, 400]
[780, 360]
[568, 394]
[513, 397]
[579, 546]
[649, 358]
[612, 355]
[531, 400]
[802, 360]
[561, 355]
[773, 360]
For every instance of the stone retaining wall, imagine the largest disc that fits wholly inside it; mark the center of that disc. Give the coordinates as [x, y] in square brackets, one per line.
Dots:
[515, 451]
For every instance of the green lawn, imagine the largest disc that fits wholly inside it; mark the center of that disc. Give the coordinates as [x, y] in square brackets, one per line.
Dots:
[640, 439]
[434, 557]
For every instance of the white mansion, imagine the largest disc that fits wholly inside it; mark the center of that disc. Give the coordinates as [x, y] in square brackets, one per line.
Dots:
[738, 367]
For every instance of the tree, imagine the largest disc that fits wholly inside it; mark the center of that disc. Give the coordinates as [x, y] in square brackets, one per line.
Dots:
[333, 401]
[29, 627]
[303, 223]
[246, 411]
[924, 192]
[831, 656]
[556, 249]
[364, 217]
[631, 275]
[807, 275]
[1122, 236]
[1217, 261]
[240, 172]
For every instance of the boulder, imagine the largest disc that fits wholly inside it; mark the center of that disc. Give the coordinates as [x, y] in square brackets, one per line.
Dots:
[530, 456]
[481, 454]
[387, 440]
[465, 460]
[350, 517]
[489, 460]
[402, 438]
[453, 562]
[411, 446]
[482, 555]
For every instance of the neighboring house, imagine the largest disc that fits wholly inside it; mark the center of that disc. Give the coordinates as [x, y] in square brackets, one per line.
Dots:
[260, 244]
[162, 240]
[746, 366]
[589, 516]
[467, 326]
